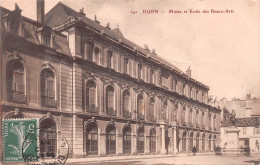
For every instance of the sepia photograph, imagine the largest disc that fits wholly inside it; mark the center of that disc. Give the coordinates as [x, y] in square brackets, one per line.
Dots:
[130, 82]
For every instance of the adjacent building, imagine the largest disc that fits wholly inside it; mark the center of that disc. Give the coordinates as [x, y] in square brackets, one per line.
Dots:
[247, 120]
[103, 93]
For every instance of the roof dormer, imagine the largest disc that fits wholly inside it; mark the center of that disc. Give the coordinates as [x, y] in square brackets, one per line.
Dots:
[13, 22]
[46, 36]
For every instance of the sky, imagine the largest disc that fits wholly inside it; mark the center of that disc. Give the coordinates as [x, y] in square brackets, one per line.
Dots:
[222, 49]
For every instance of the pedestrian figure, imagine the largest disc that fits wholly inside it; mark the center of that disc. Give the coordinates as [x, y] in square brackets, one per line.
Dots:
[194, 150]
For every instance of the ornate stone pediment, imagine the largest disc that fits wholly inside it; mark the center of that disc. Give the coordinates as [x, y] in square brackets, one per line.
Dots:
[48, 65]
[15, 56]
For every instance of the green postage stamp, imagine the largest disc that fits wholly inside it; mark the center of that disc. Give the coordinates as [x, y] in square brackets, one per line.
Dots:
[20, 140]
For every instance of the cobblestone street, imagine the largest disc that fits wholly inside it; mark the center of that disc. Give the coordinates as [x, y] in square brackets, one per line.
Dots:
[179, 160]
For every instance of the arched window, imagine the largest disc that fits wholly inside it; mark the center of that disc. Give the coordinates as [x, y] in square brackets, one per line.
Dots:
[209, 142]
[15, 76]
[184, 141]
[91, 96]
[48, 88]
[127, 140]
[197, 141]
[48, 138]
[214, 123]
[210, 122]
[126, 104]
[140, 140]
[140, 107]
[151, 109]
[191, 141]
[183, 116]
[197, 119]
[110, 100]
[92, 139]
[152, 141]
[190, 118]
[111, 139]
[203, 120]
[203, 142]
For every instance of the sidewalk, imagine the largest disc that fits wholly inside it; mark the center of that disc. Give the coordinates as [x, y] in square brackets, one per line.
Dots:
[114, 158]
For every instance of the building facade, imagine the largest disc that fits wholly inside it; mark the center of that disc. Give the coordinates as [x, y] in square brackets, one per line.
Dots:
[103, 93]
[247, 121]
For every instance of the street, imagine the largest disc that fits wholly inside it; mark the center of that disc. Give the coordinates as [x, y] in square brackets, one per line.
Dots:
[179, 160]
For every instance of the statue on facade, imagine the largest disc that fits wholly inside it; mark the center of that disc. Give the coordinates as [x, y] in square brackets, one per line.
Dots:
[232, 118]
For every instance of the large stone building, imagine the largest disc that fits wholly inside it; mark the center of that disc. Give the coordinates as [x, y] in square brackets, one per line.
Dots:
[103, 93]
[247, 121]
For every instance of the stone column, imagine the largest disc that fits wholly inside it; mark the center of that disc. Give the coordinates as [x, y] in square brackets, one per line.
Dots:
[133, 143]
[134, 140]
[146, 145]
[163, 150]
[77, 137]
[102, 144]
[119, 144]
[175, 147]
[170, 146]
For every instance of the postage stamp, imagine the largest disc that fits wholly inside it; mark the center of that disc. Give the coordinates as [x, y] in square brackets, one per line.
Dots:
[20, 140]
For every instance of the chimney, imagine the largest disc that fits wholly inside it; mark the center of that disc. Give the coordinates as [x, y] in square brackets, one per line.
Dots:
[188, 72]
[146, 47]
[248, 96]
[108, 27]
[154, 51]
[96, 20]
[40, 11]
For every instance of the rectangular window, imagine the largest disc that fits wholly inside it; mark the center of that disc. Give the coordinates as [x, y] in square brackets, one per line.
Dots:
[139, 71]
[174, 84]
[125, 65]
[46, 40]
[90, 49]
[164, 81]
[183, 89]
[109, 59]
[151, 76]
[119, 62]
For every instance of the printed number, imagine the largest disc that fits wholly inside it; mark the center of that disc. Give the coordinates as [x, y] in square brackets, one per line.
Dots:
[30, 128]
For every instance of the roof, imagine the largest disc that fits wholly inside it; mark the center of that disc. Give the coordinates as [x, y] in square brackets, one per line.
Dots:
[60, 13]
[241, 105]
[30, 33]
[244, 122]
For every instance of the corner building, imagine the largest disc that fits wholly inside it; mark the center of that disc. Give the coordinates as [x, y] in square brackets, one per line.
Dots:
[103, 93]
